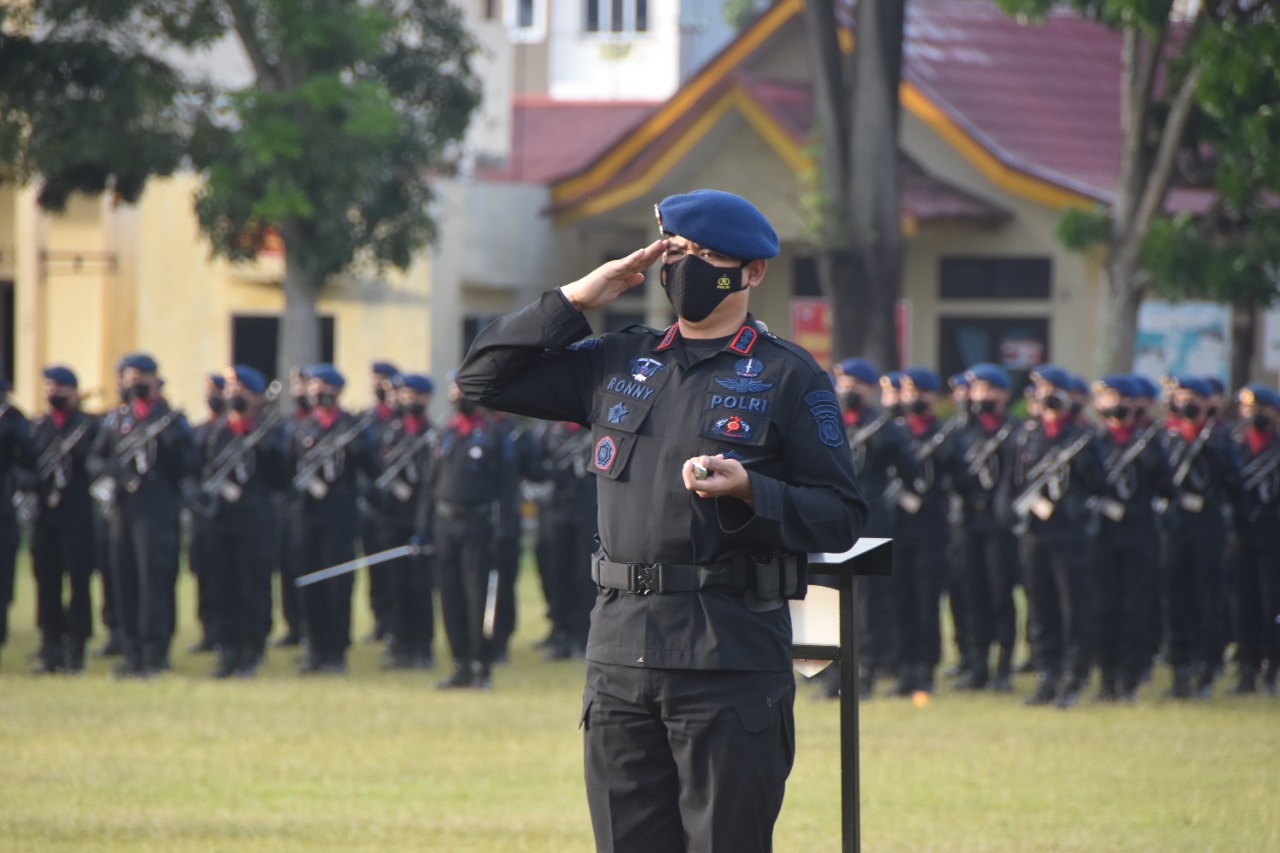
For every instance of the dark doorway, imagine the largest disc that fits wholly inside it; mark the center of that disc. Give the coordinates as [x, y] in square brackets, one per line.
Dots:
[254, 339]
[6, 330]
[1015, 343]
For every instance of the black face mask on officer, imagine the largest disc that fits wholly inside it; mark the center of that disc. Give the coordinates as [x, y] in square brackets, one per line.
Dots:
[61, 402]
[919, 407]
[983, 407]
[217, 404]
[1260, 421]
[381, 394]
[240, 403]
[416, 409]
[695, 287]
[851, 400]
[324, 400]
[464, 406]
[1190, 411]
[1056, 402]
[303, 402]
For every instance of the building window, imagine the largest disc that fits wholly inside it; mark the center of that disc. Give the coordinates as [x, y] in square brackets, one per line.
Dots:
[255, 339]
[1016, 343]
[615, 16]
[490, 9]
[995, 278]
[526, 20]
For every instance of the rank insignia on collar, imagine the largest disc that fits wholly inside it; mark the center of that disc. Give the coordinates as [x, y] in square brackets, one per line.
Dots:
[605, 453]
[643, 368]
[744, 341]
[734, 426]
[618, 412]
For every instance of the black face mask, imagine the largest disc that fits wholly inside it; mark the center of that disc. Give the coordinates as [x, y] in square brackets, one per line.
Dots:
[1117, 412]
[1191, 411]
[303, 402]
[851, 400]
[695, 287]
[324, 400]
[897, 410]
[1055, 402]
[137, 392]
[919, 407]
[217, 405]
[1260, 421]
[61, 402]
[984, 407]
[417, 409]
[240, 403]
[381, 394]
[464, 406]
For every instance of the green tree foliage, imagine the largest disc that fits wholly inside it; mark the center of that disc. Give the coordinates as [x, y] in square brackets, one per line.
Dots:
[1200, 110]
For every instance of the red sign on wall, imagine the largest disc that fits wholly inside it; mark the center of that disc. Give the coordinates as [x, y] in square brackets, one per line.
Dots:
[811, 327]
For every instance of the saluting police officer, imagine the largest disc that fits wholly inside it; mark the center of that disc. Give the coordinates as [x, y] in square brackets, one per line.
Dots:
[1206, 476]
[399, 494]
[144, 453]
[988, 549]
[202, 563]
[721, 461]
[1055, 467]
[473, 462]
[245, 463]
[1137, 475]
[62, 540]
[1255, 557]
[881, 452]
[331, 450]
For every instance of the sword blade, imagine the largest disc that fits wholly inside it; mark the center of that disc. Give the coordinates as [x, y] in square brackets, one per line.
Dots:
[412, 548]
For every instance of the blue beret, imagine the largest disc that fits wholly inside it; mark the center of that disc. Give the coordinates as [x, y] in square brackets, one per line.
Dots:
[418, 382]
[892, 379]
[385, 368]
[1216, 385]
[1053, 375]
[139, 361]
[250, 378]
[1195, 384]
[1121, 383]
[992, 374]
[1259, 395]
[720, 221]
[1144, 387]
[61, 375]
[1077, 384]
[923, 378]
[860, 369]
[326, 373]
[219, 381]
[958, 380]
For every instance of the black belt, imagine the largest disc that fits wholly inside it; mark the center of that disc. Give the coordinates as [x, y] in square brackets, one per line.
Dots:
[645, 578]
[447, 510]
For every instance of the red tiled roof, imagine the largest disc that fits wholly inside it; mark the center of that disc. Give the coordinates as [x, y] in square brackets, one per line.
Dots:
[553, 138]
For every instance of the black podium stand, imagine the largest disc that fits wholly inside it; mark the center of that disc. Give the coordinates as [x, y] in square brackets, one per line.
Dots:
[838, 571]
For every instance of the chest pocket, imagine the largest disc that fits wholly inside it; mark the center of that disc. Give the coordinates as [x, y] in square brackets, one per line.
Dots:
[621, 408]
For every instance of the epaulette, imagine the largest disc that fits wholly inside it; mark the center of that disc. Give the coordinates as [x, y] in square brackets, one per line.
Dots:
[640, 328]
[794, 348]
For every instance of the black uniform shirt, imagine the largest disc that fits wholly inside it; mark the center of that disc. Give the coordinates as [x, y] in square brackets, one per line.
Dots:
[152, 467]
[984, 448]
[1068, 487]
[62, 453]
[881, 451]
[652, 404]
[1137, 476]
[256, 473]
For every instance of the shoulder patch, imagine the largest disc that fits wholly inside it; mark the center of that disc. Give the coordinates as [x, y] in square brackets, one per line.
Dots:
[826, 413]
[640, 329]
[585, 343]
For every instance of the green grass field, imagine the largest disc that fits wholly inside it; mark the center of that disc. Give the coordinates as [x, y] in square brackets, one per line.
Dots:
[383, 761]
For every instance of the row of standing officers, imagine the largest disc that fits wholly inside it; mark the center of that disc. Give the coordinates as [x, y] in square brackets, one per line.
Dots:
[289, 487]
[1135, 536]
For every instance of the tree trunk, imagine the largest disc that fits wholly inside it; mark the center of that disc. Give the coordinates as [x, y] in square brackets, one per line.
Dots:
[299, 343]
[1118, 315]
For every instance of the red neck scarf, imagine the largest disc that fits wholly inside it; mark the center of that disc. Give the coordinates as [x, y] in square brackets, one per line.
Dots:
[413, 424]
[59, 417]
[239, 424]
[326, 417]
[1121, 434]
[465, 424]
[991, 421]
[141, 409]
[919, 423]
[1052, 428]
[852, 417]
[1258, 439]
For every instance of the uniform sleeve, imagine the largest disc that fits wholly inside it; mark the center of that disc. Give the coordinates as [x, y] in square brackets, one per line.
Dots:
[817, 504]
[1088, 466]
[519, 363]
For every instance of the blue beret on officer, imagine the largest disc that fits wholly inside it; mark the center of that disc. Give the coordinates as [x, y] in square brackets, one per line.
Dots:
[958, 380]
[1146, 389]
[720, 221]
[219, 381]
[1121, 383]
[418, 382]
[1077, 384]
[1216, 385]
[385, 368]
[1195, 384]
[923, 378]
[892, 380]
[992, 374]
[250, 378]
[1053, 375]
[61, 375]
[860, 369]
[1259, 395]
[328, 374]
[139, 361]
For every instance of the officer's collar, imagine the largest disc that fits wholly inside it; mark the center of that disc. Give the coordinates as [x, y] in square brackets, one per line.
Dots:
[741, 343]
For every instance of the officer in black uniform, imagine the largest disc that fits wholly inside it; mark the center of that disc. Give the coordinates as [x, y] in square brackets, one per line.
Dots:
[376, 531]
[16, 455]
[62, 541]
[1054, 468]
[954, 585]
[331, 450]
[881, 453]
[398, 494]
[473, 464]
[144, 453]
[509, 527]
[721, 461]
[920, 566]
[245, 462]
[289, 504]
[1206, 478]
[1255, 557]
[1137, 475]
[988, 549]
[566, 535]
[204, 565]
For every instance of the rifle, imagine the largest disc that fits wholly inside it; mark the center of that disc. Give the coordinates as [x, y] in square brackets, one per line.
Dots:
[978, 460]
[1259, 469]
[1110, 507]
[866, 433]
[103, 489]
[405, 453]
[317, 457]
[1030, 500]
[896, 492]
[217, 486]
[49, 465]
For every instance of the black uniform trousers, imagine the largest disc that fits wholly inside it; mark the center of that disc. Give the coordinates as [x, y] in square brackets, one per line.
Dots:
[105, 561]
[288, 508]
[410, 584]
[241, 546]
[567, 538]
[1059, 618]
[1196, 577]
[8, 564]
[990, 557]
[61, 552]
[919, 573]
[203, 559]
[506, 559]
[144, 544]
[676, 755]
[373, 538]
[464, 558]
[1255, 595]
[1125, 568]
[327, 537]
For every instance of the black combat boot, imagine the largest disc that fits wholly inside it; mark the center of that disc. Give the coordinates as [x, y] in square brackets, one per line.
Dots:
[1046, 689]
[73, 655]
[228, 662]
[1269, 676]
[976, 678]
[1181, 688]
[130, 663]
[1248, 682]
[50, 657]
[1068, 694]
[481, 679]
[460, 678]
[1107, 690]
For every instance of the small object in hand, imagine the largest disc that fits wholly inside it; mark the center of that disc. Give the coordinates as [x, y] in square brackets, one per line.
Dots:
[699, 472]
